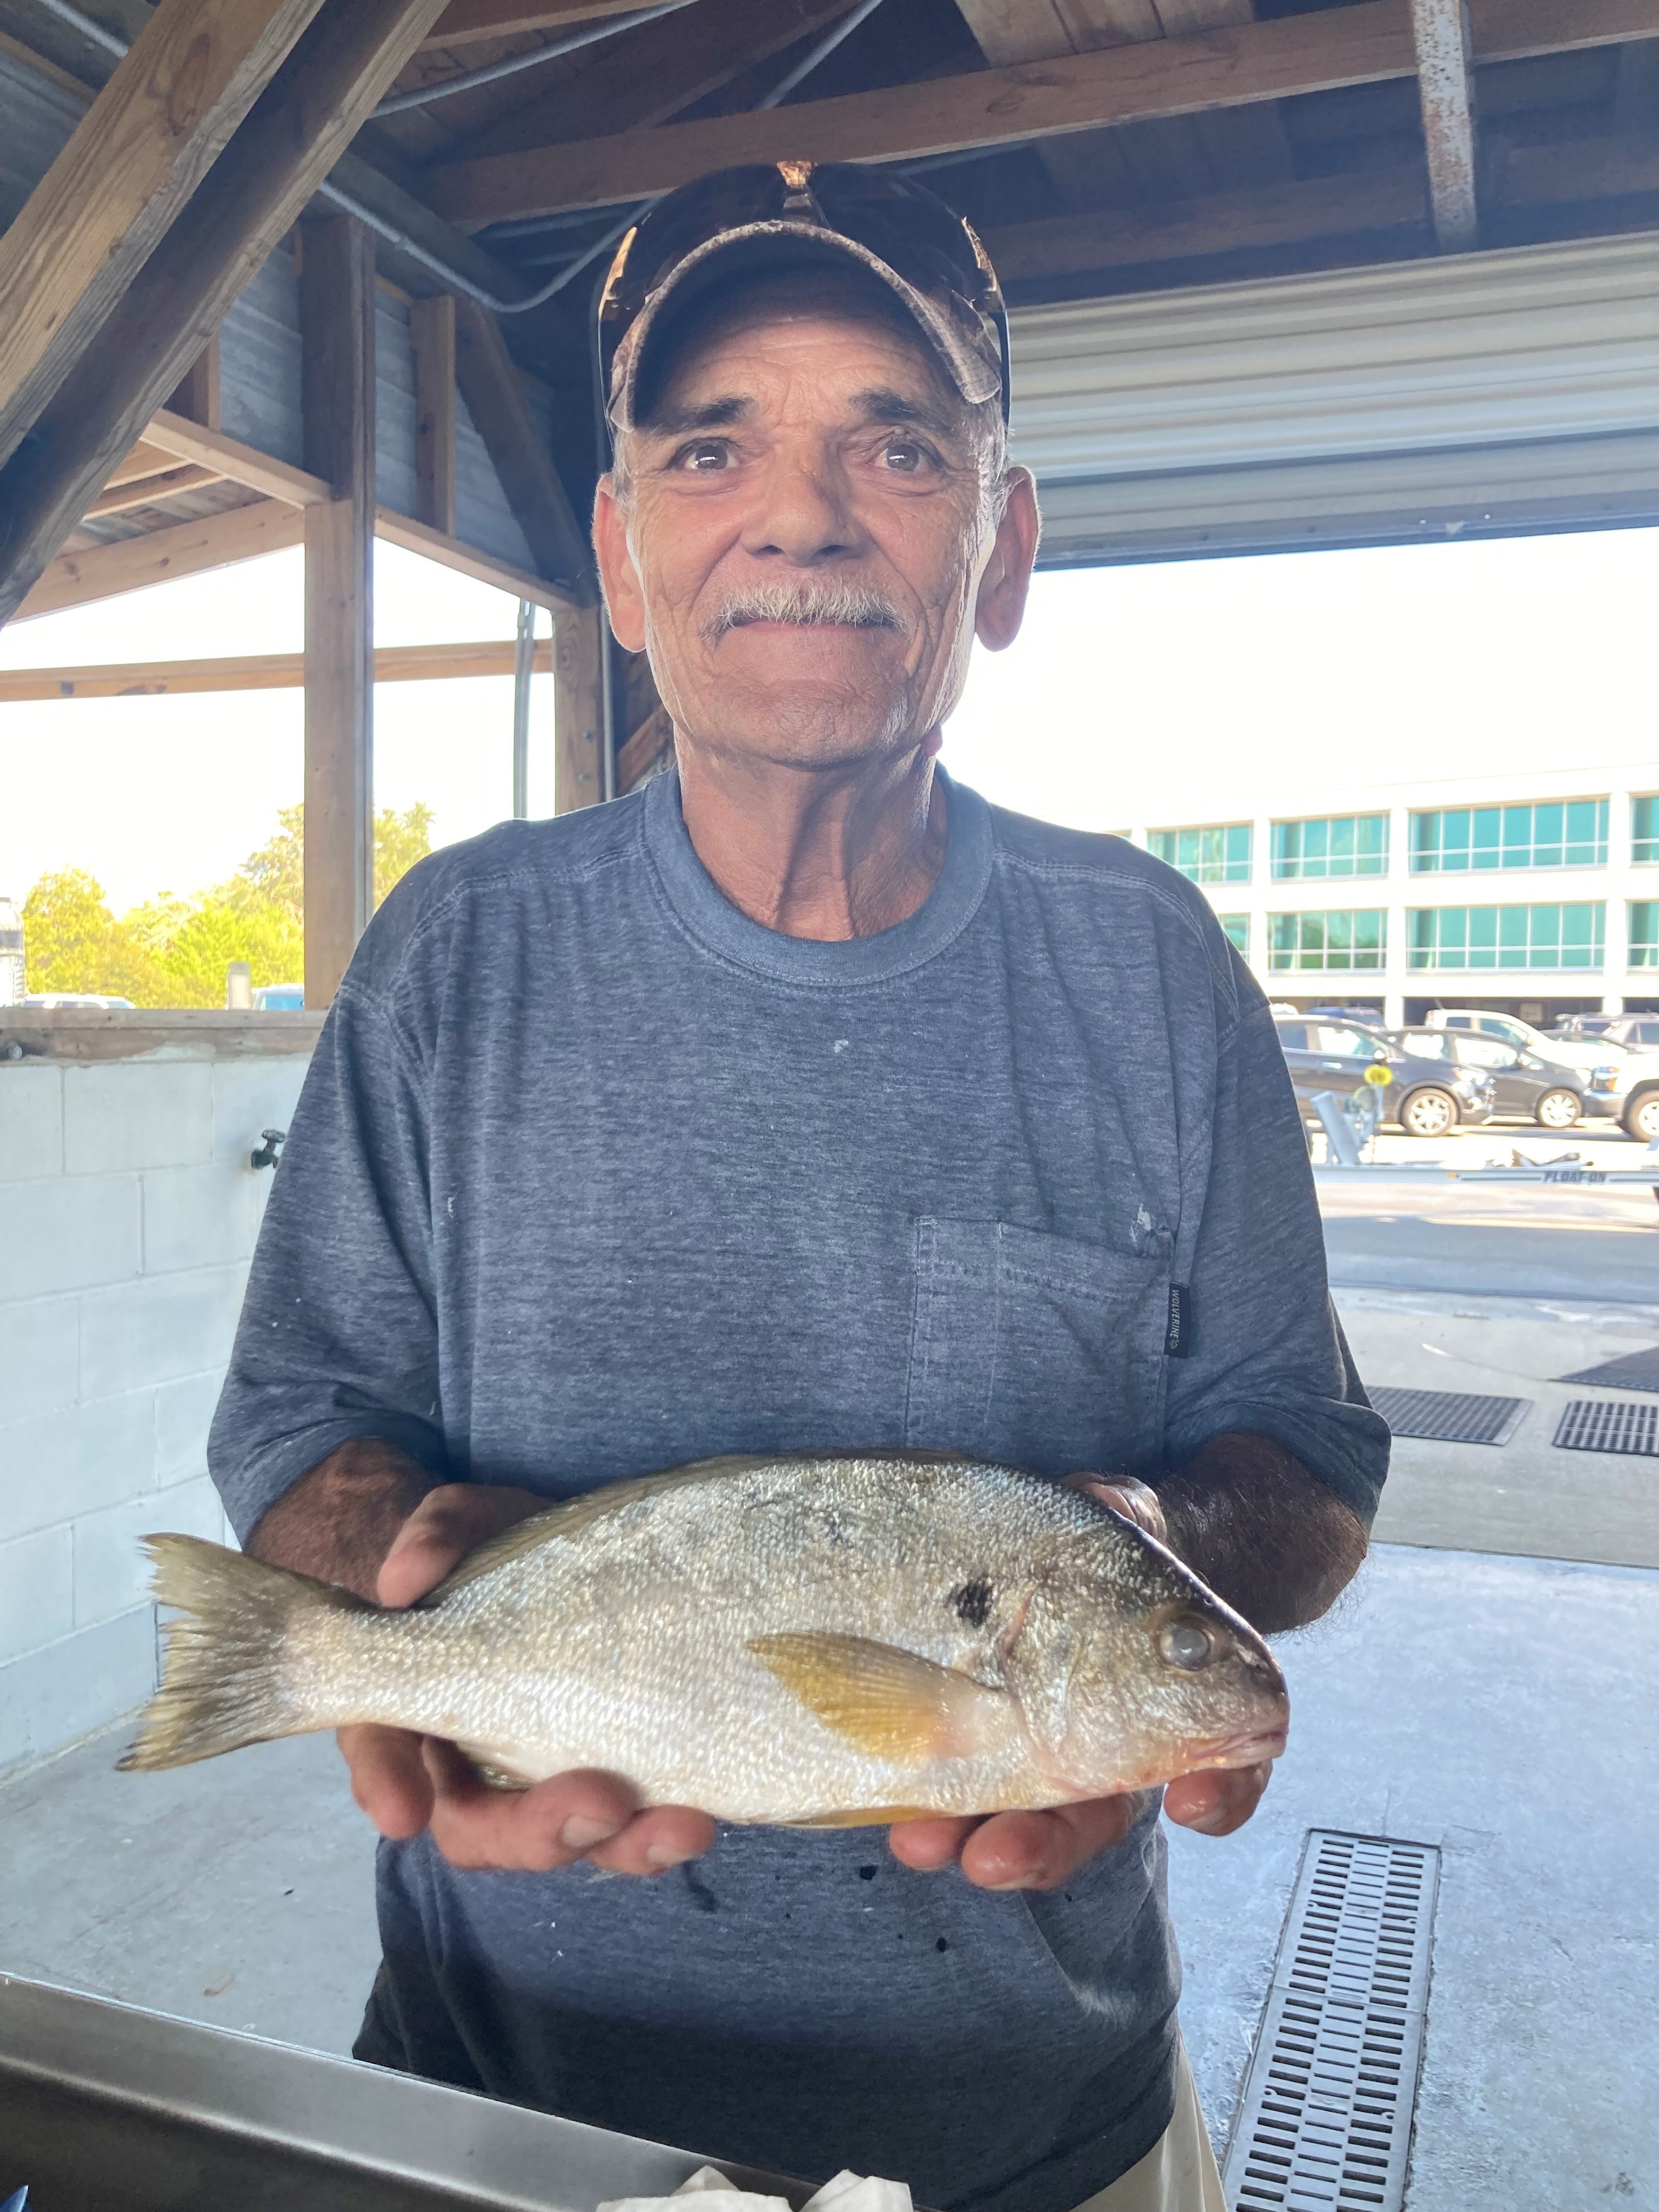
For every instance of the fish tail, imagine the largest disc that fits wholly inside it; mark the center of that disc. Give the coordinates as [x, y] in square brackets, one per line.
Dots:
[221, 1678]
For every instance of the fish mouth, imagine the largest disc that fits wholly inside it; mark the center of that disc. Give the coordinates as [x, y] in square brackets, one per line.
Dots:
[1250, 1749]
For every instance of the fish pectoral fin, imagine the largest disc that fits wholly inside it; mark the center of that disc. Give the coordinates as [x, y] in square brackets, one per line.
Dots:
[891, 1704]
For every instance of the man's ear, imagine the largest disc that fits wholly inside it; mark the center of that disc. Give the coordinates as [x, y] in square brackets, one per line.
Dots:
[999, 607]
[624, 601]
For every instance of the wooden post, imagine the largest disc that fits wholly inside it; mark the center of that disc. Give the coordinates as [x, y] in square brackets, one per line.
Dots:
[337, 304]
[196, 395]
[432, 334]
[579, 637]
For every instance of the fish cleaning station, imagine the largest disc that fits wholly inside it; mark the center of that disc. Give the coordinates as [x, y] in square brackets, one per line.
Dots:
[1281, 277]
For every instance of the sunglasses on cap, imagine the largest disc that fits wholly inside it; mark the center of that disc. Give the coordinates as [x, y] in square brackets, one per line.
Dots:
[767, 214]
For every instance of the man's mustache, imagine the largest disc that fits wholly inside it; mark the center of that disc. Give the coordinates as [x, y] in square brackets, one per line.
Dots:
[858, 606]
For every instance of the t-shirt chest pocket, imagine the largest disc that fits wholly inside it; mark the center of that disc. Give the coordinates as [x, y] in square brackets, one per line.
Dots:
[1036, 1351]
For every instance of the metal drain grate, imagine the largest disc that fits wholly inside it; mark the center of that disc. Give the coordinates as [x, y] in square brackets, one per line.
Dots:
[1609, 1424]
[1636, 1370]
[1452, 1417]
[1325, 2122]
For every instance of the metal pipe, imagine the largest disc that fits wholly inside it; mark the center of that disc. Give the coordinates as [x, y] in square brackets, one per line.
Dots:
[398, 103]
[111, 41]
[524, 662]
[825, 46]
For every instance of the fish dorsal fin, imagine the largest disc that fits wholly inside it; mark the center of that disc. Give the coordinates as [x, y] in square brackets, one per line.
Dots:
[892, 1704]
[572, 1515]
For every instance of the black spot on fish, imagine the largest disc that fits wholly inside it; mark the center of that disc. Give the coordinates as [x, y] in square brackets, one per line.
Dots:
[941, 1945]
[971, 1602]
[702, 1896]
[867, 1874]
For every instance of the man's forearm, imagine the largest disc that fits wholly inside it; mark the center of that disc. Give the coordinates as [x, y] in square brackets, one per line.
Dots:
[338, 1521]
[1267, 1536]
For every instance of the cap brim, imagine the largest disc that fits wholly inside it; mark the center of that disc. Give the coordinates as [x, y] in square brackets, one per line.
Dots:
[782, 244]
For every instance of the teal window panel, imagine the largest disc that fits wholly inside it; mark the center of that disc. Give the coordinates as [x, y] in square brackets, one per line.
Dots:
[1219, 852]
[1235, 927]
[1540, 938]
[1551, 834]
[1333, 845]
[1342, 940]
[1645, 933]
[1645, 828]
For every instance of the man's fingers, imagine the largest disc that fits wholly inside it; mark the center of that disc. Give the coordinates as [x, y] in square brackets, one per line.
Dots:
[447, 1523]
[662, 1836]
[1040, 1850]
[1217, 1802]
[927, 1846]
[389, 1778]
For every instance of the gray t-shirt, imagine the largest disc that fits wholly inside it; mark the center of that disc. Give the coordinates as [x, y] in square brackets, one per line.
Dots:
[593, 1175]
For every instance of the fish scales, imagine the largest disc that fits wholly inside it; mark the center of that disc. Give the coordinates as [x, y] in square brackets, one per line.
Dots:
[793, 1639]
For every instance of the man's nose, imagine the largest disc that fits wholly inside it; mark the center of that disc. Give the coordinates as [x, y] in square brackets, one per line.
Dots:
[802, 515]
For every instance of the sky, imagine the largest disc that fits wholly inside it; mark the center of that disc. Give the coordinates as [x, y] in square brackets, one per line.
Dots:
[1169, 692]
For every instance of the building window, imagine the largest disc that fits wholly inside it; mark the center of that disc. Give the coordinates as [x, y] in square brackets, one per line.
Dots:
[1336, 845]
[1220, 854]
[1569, 833]
[1508, 936]
[1645, 933]
[1235, 927]
[1645, 828]
[1354, 938]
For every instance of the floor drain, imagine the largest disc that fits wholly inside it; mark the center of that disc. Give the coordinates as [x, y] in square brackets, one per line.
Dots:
[1451, 1416]
[1325, 2122]
[1635, 1371]
[1609, 1424]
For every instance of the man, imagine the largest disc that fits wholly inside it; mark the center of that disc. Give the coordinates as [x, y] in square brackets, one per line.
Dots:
[800, 1101]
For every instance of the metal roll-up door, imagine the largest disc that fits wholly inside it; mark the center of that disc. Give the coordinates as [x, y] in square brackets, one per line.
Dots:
[1483, 393]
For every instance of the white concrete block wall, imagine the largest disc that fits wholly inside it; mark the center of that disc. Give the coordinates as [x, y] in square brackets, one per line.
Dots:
[128, 1212]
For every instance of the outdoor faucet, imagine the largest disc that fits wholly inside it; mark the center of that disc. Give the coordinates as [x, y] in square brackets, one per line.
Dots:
[265, 1156]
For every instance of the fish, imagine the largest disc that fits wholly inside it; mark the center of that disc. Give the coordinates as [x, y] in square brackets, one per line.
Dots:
[823, 1640]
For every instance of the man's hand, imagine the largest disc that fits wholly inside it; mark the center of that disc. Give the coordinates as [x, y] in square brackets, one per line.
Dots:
[324, 1526]
[1041, 1850]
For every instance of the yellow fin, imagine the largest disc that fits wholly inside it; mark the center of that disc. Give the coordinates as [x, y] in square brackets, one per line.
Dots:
[889, 1703]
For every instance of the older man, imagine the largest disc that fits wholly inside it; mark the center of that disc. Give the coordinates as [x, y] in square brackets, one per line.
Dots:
[802, 1100]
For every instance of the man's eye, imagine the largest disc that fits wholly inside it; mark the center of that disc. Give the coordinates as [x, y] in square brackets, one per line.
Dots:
[706, 456]
[904, 456]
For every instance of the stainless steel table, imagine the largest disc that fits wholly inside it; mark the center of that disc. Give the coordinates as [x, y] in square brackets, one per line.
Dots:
[107, 2108]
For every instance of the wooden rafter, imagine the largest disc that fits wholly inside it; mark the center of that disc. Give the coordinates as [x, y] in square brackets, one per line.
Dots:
[432, 340]
[296, 131]
[131, 165]
[183, 549]
[1368, 43]
[403, 530]
[495, 397]
[184, 440]
[144, 491]
[257, 671]
[640, 81]
[1444, 66]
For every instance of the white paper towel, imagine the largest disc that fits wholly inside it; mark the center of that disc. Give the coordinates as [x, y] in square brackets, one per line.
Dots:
[848, 2192]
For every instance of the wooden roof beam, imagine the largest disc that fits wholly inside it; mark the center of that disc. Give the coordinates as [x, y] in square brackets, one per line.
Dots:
[183, 549]
[259, 672]
[1444, 63]
[131, 165]
[495, 399]
[465, 23]
[290, 138]
[1364, 44]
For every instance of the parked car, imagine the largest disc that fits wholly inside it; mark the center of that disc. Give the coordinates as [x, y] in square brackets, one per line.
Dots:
[1588, 1053]
[1636, 1032]
[279, 999]
[50, 999]
[1629, 1086]
[1426, 1098]
[1582, 1025]
[1523, 1085]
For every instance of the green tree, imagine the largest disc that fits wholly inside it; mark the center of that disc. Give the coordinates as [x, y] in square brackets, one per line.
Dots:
[174, 952]
[72, 942]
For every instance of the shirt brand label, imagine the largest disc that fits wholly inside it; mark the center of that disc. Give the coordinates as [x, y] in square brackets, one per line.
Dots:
[1178, 1337]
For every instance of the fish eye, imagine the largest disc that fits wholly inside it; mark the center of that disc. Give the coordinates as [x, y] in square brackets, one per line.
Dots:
[1189, 1644]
